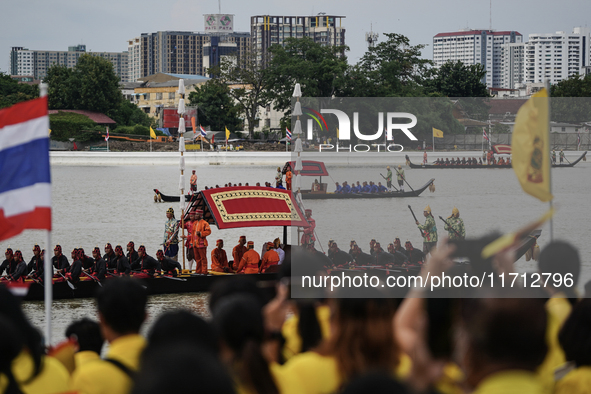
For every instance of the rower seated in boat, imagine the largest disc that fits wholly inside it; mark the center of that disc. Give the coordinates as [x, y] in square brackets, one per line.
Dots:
[99, 267]
[361, 258]
[270, 259]
[415, 256]
[20, 271]
[381, 188]
[447, 162]
[168, 265]
[250, 260]
[338, 257]
[346, 188]
[219, 259]
[147, 265]
[374, 187]
[59, 261]
[399, 258]
[123, 267]
[75, 270]
[339, 188]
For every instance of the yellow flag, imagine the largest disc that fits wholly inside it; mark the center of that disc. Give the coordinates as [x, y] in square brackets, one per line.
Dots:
[152, 133]
[49, 131]
[227, 134]
[337, 132]
[530, 147]
[437, 133]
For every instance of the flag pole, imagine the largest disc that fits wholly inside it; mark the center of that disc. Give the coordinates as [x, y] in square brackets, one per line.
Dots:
[551, 222]
[47, 274]
[433, 140]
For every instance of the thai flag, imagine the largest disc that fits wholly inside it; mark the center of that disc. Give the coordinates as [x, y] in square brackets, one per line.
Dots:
[288, 134]
[25, 183]
[107, 136]
[203, 133]
[578, 139]
[484, 135]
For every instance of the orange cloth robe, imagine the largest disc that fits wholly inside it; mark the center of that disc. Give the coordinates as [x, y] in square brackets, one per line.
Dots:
[270, 258]
[200, 245]
[250, 262]
[237, 254]
[288, 176]
[219, 260]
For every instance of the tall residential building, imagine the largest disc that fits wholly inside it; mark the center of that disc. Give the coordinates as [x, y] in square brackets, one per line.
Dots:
[512, 65]
[556, 56]
[475, 47]
[182, 52]
[36, 63]
[267, 30]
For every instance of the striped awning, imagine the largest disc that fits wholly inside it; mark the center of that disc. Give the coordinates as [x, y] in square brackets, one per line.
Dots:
[502, 149]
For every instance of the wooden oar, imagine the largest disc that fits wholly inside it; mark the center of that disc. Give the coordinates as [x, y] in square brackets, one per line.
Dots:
[69, 283]
[172, 278]
[404, 179]
[93, 278]
[448, 225]
[35, 280]
[390, 182]
[416, 220]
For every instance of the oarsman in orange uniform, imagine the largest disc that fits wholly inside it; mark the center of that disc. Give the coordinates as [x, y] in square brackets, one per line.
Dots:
[219, 260]
[189, 238]
[201, 230]
[270, 258]
[250, 261]
[238, 252]
[288, 176]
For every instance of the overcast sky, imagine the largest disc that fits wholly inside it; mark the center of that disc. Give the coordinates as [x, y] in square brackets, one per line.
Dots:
[107, 25]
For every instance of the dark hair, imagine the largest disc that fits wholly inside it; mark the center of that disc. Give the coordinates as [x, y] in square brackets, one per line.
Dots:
[10, 309]
[575, 335]
[363, 338]
[561, 257]
[234, 285]
[87, 333]
[238, 320]
[122, 303]
[183, 326]
[308, 325]
[506, 331]
[11, 345]
[181, 368]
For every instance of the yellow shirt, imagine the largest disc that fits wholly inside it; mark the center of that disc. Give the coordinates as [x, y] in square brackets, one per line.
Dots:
[320, 374]
[558, 308]
[286, 384]
[577, 381]
[52, 378]
[85, 356]
[510, 382]
[102, 377]
[293, 341]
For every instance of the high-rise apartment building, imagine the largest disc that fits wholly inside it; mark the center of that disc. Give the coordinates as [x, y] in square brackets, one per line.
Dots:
[556, 56]
[36, 63]
[177, 52]
[512, 65]
[267, 30]
[475, 47]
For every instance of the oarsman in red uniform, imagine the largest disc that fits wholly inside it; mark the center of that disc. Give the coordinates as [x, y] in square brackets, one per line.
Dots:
[99, 268]
[189, 238]
[59, 261]
[238, 252]
[201, 230]
[8, 265]
[132, 255]
[123, 267]
[36, 265]
[270, 258]
[309, 231]
[219, 260]
[250, 261]
[425, 157]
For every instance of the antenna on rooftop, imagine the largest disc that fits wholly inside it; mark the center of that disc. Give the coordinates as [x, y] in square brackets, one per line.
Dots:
[219, 6]
[371, 37]
[490, 15]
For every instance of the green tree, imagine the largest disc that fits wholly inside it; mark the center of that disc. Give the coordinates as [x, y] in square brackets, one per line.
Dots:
[320, 71]
[571, 100]
[248, 76]
[392, 68]
[456, 79]
[128, 114]
[61, 92]
[96, 85]
[12, 92]
[215, 106]
[575, 86]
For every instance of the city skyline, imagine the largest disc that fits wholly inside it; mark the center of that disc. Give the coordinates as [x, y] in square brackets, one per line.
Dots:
[112, 23]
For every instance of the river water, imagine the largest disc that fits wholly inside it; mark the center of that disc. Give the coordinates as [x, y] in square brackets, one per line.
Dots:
[96, 205]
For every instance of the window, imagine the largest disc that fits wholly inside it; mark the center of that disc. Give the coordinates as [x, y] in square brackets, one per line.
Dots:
[158, 96]
[171, 95]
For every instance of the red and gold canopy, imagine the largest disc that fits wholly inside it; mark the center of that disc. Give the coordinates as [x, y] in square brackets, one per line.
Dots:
[249, 206]
[309, 168]
[502, 149]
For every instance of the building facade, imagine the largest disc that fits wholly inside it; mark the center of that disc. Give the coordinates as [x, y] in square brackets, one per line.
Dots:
[36, 63]
[179, 52]
[268, 30]
[512, 65]
[475, 47]
[556, 56]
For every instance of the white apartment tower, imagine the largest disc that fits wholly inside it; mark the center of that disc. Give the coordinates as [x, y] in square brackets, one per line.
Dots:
[512, 65]
[556, 56]
[475, 47]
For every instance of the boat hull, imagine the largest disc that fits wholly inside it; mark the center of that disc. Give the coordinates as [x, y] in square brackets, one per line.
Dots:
[462, 166]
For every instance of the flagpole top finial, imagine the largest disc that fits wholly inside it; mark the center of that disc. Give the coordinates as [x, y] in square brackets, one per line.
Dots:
[43, 89]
